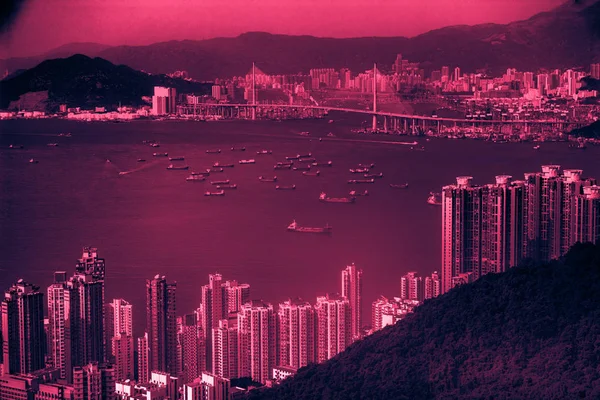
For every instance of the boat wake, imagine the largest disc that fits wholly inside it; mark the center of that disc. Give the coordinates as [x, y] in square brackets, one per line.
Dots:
[140, 168]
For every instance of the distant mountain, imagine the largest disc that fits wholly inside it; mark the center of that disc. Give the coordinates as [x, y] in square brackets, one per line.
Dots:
[81, 81]
[564, 37]
[529, 333]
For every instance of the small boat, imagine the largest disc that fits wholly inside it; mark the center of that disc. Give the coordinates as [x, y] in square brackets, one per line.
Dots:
[263, 179]
[285, 187]
[379, 175]
[155, 145]
[218, 193]
[302, 168]
[215, 169]
[330, 121]
[141, 160]
[176, 158]
[330, 134]
[304, 133]
[32, 161]
[218, 165]
[160, 154]
[536, 147]
[293, 227]
[238, 149]
[250, 161]
[15, 146]
[323, 164]
[264, 152]
[52, 144]
[195, 178]
[354, 193]
[233, 186]
[177, 167]
[358, 170]
[316, 173]
[435, 199]
[283, 166]
[323, 197]
[399, 186]
[361, 180]
[215, 151]
[205, 173]
[368, 166]
[225, 182]
[64, 134]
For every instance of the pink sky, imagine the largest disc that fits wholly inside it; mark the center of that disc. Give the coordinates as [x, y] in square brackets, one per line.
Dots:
[45, 24]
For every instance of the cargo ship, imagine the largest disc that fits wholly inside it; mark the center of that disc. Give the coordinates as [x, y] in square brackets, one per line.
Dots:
[285, 187]
[283, 166]
[195, 178]
[160, 154]
[176, 158]
[205, 173]
[264, 152]
[361, 180]
[177, 167]
[215, 169]
[435, 199]
[238, 149]
[219, 165]
[367, 166]
[323, 164]
[250, 161]
[308, 155]
[15, 146]
[358, 170]
[225, 182]
[218, 193]
[379, 175]
[302, 168]
[52, 144]
[264, 179]
[214, 151]
[232, 186]
[33, 161]
[293, 227]
[348, 200]
[399, 186]
[354, 193]
[316, 173]
[141, 160]
[292, 158]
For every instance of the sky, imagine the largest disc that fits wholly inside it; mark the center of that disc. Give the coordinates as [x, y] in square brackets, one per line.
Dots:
[42, 25]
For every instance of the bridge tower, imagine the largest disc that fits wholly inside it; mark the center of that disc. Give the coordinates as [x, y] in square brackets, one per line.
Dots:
[374, 127]
[253, 92]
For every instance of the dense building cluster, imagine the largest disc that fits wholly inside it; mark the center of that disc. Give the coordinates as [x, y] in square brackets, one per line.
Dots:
[490, 228]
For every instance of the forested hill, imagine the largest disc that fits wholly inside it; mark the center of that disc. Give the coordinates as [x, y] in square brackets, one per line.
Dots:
[532, 332]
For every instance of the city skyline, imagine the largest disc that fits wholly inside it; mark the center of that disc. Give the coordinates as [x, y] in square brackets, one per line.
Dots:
[87, 23]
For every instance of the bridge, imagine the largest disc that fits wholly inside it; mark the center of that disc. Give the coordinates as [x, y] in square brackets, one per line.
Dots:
[389, 120]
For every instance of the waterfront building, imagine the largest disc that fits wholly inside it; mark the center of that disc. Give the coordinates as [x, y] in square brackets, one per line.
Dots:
[296, 334]
[161, 325]
[352, 290]
[22, 322]
[164, 100]
[256, 340]
[333, 327]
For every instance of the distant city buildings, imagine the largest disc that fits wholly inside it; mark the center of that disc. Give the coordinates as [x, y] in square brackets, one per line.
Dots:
[256, 340]
[164, 100]
[334, 326]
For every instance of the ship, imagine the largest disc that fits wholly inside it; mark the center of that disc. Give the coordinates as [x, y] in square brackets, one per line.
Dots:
[308, 160]
[293, 227]
[177, 167]
[33, 161]
[160, 154]
[264, 152]
[302, 168]
[214, 151]
[399, 185]
[379, 175]
[304, 155]
[285, 187]
[283, 166]
[15, 146]
[52, 144]
[323, 197]
[354, 193]
[141, 160]
[64, 134]
[358, 170]
[434, 199]
[536, 147]
[330, 134]
[219, 165]
[195, 178]
[232, 186]
[361, 180]
[367, 166]
[316, 173]
[263, 179]
[205, 173]
[215, 169]
[285, 162]
[292, 158]
[155, 145]
[217, 193]
[250, 161]
[323, 164]
[238, 149]
[225, 182]
[304, 133]
[176, 158]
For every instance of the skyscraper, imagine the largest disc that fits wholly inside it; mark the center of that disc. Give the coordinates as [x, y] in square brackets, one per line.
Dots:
[24, 343]
[296, 333]
[225, 348]
[161, 325]
[76, 315]
[456, 74]
[143, 354]
[94, 381]
[119, 336]
[256, 340]
[412, 287]
[188, 343]
[352, 290]
[587, 216]
[334, 327]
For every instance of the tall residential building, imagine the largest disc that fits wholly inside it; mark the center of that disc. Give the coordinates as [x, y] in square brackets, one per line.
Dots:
[119, 338]
[595, 71]
[352, 290]
[296, 334]
[94, 382]
[333, 327]
[412, 287]
[256, 340]
[123, 347]
[143, 355]
[23, 338]
[161, 324]
[225, 348]
[207, 387]
[236, 295]
[587, 216]
[433, 286]
[76, 315]
[188, 345]
[457, 74]
[164, 100]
